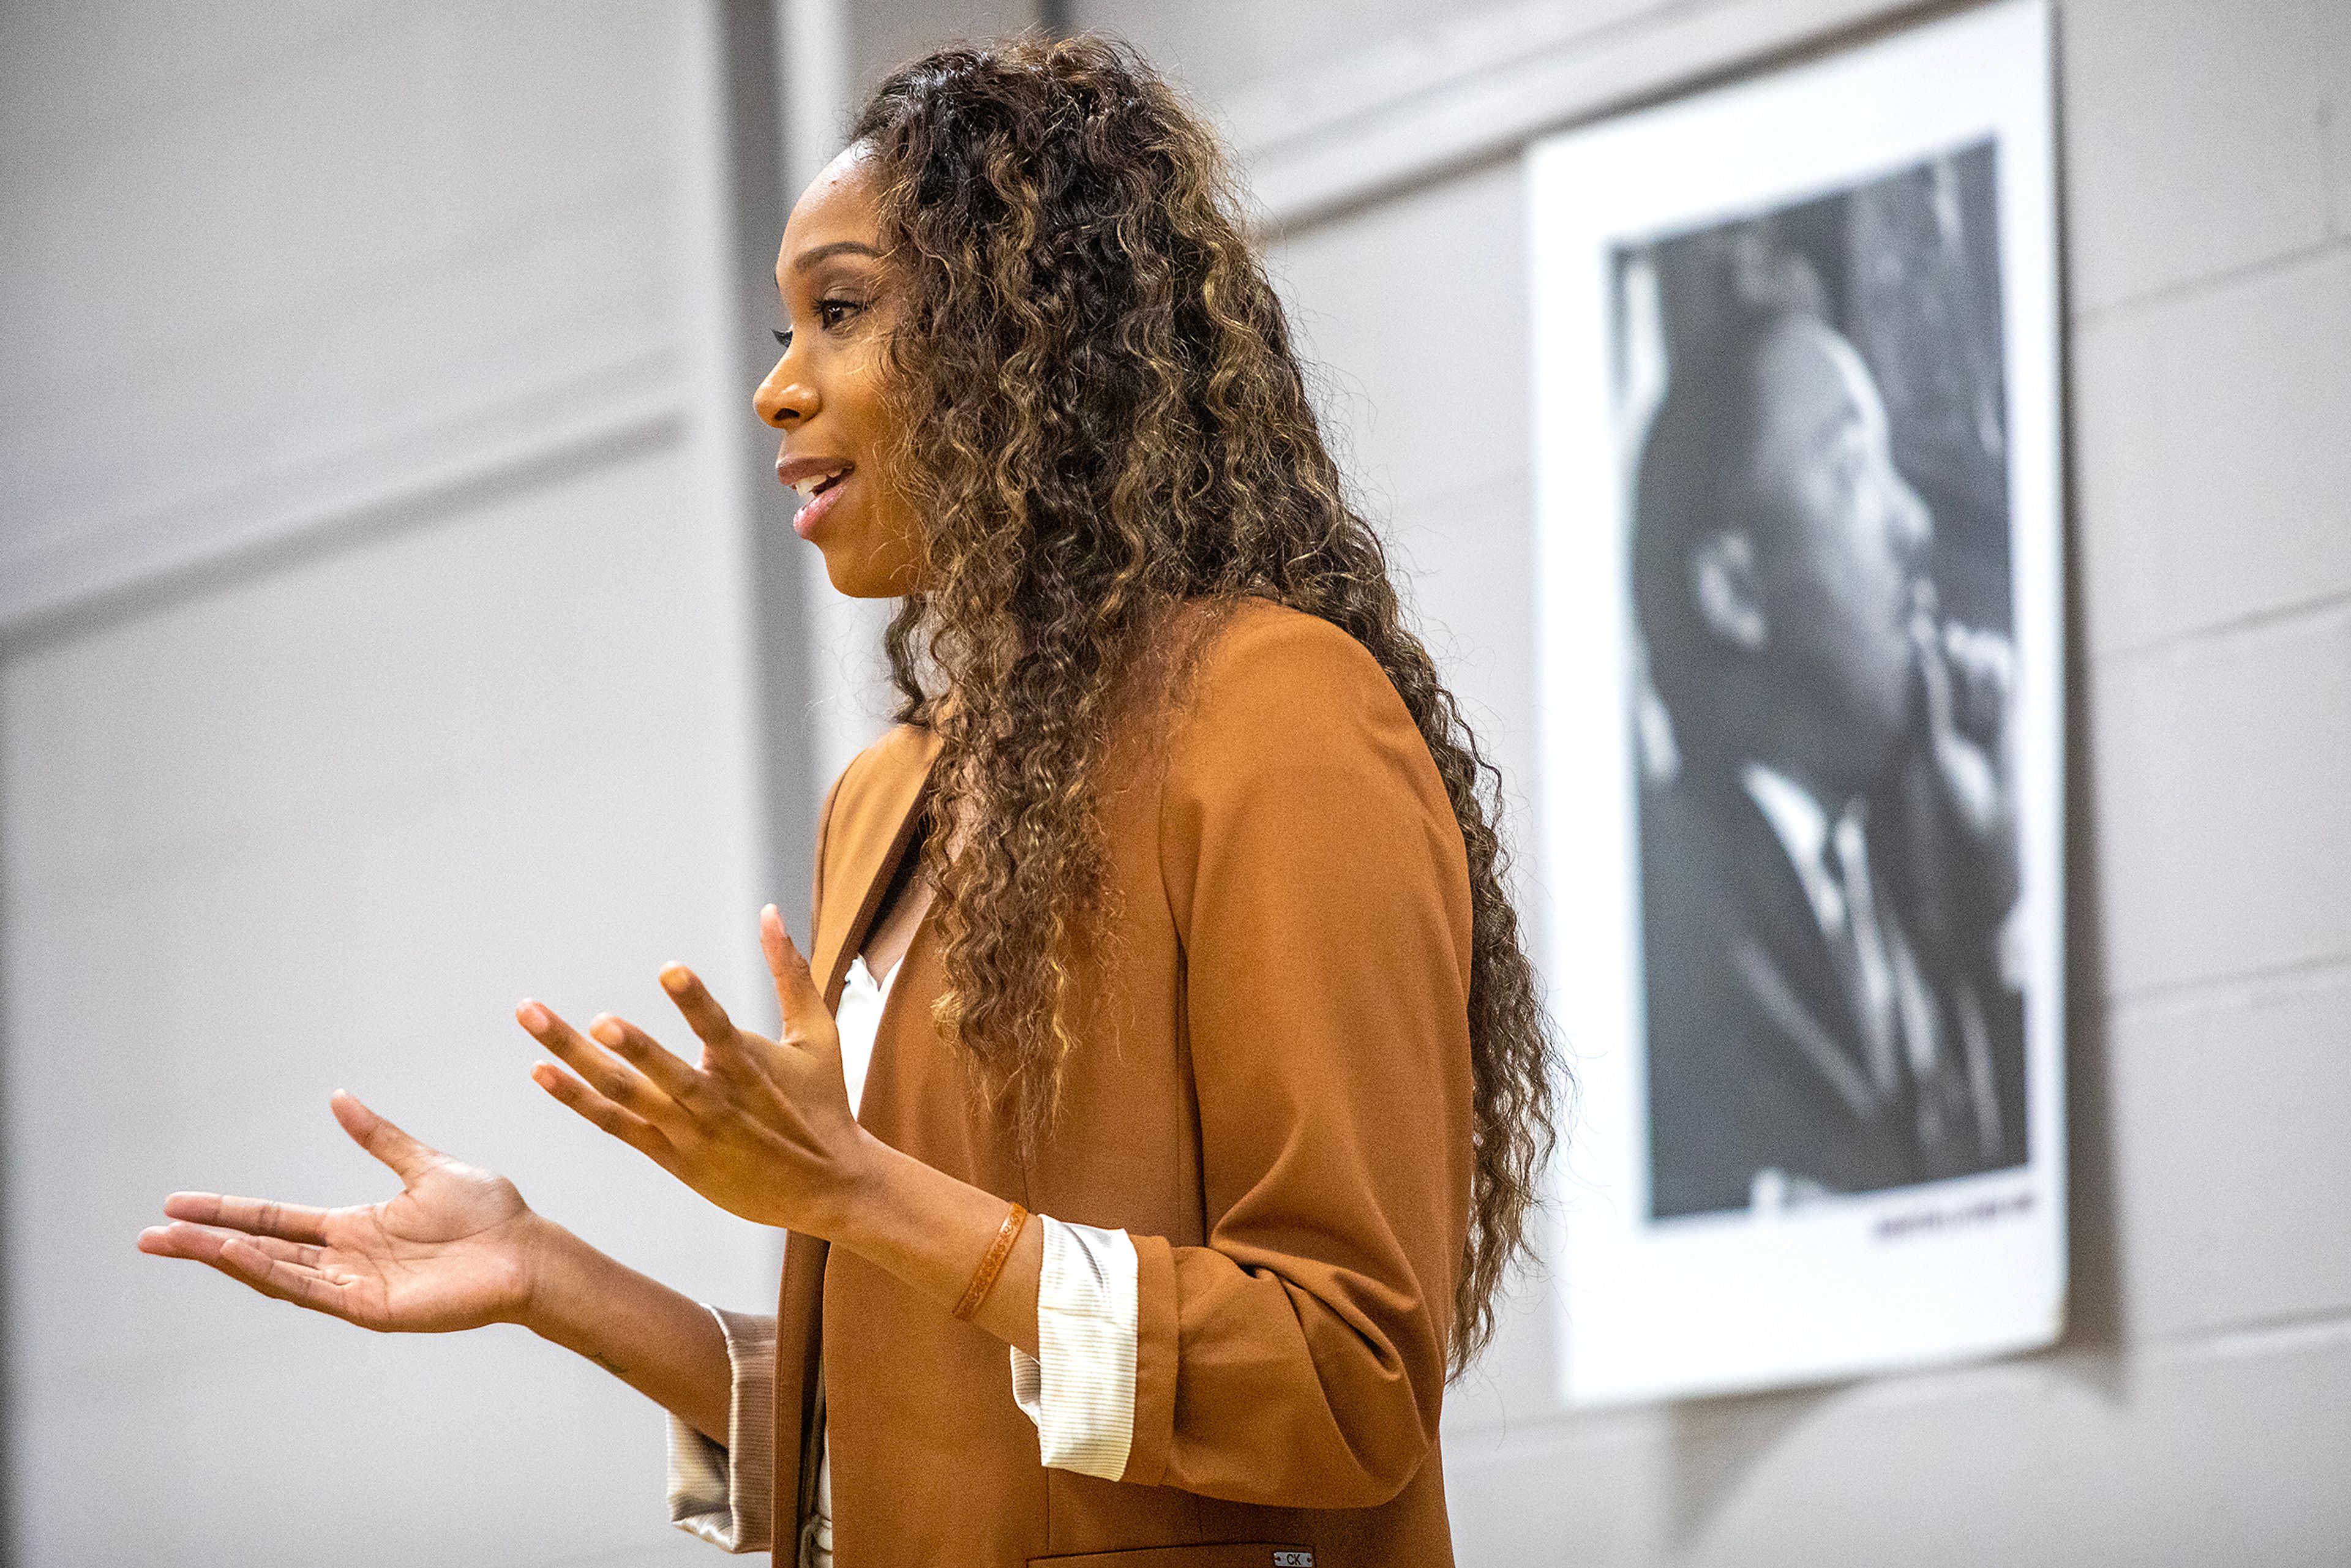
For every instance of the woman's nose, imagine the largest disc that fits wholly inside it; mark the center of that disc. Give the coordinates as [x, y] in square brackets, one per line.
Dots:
[783, 400]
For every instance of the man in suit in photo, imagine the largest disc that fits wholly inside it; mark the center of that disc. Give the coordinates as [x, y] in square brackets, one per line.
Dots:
[1828, 853]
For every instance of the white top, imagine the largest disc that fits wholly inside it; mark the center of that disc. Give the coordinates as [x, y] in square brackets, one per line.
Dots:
[1078, 1390]
[859, 1019]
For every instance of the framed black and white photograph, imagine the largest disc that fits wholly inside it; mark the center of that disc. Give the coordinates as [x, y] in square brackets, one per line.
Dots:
[1802, 550]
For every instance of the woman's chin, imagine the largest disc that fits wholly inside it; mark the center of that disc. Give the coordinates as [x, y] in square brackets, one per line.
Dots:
[859, 578]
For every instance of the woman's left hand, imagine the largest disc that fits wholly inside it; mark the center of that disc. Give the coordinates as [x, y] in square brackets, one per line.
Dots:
[763, 1128]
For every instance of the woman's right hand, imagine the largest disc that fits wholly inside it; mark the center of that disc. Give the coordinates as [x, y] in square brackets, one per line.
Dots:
[455, 1250]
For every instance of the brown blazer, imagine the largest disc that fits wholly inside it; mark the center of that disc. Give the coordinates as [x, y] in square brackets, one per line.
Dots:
[1273, 1099]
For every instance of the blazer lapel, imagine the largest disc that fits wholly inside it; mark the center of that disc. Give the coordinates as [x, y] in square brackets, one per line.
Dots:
[871, 825]
[800, 1317]
[873, 818]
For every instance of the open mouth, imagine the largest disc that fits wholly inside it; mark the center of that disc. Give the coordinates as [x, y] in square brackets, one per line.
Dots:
[816, 484]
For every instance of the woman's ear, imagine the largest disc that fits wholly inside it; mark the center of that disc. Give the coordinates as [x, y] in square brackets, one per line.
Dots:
[1723, 584]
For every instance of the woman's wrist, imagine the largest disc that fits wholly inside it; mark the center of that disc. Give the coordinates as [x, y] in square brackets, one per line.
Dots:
[859, 1191]
[933, 1231]
[664, 1343]
[558, 1272]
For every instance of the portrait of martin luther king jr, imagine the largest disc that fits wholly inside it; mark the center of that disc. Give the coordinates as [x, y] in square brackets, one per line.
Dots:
[1828, 862]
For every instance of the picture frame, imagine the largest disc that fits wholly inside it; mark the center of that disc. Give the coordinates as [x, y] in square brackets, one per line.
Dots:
[1800, 568]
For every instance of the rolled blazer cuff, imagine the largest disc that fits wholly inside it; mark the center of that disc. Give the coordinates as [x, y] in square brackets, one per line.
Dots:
[1080, 1388]
[1294, 1401]
[1155, 1342]
[726, 1493]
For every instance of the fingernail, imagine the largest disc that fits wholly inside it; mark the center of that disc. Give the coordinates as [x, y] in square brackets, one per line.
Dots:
[606, 1028]
[532, 1015]
[673, 978]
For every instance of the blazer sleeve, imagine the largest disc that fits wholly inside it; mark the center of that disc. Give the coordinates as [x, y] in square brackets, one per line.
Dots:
[1320, 888]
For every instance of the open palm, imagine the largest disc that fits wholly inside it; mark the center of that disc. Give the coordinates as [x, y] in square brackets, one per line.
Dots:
[453, 1251]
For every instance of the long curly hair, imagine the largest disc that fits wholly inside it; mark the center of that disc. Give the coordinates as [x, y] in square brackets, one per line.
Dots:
[1103, 419]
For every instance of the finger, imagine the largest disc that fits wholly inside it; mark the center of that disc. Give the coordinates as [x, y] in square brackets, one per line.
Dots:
[276, 1276]
[408, 1159]
[235, 1255]
[703, 1014]
[796, 992]
[205, 1243]
[183, 1238]
[1934, 680]
[613, 1080]
[602, 1113]
[660, 1066]
[256, 1216]
[295, 1252]
[1985, 664]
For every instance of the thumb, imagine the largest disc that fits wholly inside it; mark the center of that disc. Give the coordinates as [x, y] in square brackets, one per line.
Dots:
[795, 988]
[408, 1159]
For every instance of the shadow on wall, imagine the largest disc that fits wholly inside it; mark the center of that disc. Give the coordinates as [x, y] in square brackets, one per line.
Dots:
[2095, 1308]
[1713, 1445]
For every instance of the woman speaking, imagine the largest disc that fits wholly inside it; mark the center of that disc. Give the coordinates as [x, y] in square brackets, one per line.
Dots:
[1162, 1098]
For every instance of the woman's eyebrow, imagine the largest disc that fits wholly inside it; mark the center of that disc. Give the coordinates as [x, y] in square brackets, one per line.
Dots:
[809, 258]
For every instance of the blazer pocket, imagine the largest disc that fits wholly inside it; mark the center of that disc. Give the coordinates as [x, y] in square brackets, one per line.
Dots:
[1231, 1554]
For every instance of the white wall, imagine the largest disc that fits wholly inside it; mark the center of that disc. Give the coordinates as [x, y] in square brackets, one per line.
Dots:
[247, 241]
[323, 829]
[374, 649]
[1220, 47]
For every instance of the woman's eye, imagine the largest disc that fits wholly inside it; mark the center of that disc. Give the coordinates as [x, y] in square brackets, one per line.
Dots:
[831, 313]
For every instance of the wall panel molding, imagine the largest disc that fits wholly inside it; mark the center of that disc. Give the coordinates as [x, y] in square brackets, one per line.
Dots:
[50, 582]
[1317, 143]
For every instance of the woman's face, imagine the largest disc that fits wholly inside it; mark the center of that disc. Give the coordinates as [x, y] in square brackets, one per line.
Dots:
[826, 394]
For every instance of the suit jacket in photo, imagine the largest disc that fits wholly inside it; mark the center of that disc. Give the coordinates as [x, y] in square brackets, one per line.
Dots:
[1756, 1061]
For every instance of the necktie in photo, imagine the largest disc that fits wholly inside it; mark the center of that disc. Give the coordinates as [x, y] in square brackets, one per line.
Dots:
[1858, 941]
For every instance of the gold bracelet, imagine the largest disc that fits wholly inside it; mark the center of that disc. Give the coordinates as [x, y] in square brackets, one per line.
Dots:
[993, 1264]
